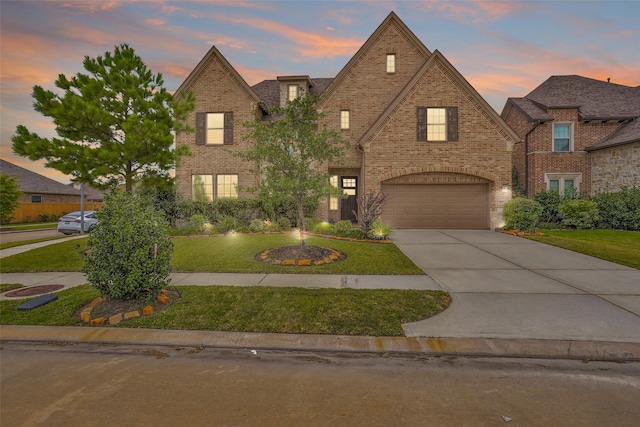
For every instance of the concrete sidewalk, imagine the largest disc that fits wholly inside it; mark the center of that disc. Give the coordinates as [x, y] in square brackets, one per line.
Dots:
[511, 297]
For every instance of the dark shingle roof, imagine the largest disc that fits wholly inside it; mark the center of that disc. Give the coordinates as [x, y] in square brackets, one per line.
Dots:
[595, 99]
[531, 109]
[31, 182]
[269, 90]
[626, 134]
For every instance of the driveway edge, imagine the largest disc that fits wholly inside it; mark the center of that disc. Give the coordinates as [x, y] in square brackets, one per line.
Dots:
[486, 347]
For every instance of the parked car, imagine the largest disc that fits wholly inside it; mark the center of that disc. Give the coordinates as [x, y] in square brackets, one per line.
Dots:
[70, 223]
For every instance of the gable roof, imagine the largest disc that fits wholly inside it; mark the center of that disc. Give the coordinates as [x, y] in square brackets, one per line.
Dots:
[193, 76]
[31, 182]
[391, 19]
[430, 62]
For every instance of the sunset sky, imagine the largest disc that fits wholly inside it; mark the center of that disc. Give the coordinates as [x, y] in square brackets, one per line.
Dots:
[503, 48]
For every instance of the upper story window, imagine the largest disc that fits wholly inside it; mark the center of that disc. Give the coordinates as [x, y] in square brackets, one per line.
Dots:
[214, 128]
[345, 119]
[437, 124]
[292, 92]
[36, 198]
[391, 63]
[562, 137]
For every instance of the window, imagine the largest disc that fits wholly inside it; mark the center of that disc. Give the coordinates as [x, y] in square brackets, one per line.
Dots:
[562, 137]
[344, 119]
[391, 63]
[333, 201]
[437, 124]
[227, 186]
[565, 184]
[214, 128]
[36, 198]
[292, 92]
[202, 187]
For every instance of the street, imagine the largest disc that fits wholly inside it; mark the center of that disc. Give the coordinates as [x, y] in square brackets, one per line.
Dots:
[105, 385]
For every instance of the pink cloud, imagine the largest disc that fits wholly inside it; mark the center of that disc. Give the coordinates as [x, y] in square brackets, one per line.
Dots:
[309, 44]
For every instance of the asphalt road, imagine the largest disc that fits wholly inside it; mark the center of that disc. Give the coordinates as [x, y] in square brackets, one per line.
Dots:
[18, 236]
[93, 385]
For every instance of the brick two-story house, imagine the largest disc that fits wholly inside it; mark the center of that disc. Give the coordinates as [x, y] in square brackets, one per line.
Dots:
[578, 134]
[418, 130]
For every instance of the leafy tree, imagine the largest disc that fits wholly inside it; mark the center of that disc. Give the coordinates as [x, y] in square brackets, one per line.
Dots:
[130, 251]
[114, 124]
[291, 152]
[9, 195]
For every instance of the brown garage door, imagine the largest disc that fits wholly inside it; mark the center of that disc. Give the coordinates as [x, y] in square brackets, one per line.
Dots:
[464, 206]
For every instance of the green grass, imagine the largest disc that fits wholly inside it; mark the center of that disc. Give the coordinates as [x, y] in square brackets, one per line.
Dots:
[5, 287]
[28, 242]
[621, 247]
[259, 309]
[30, 226]
[230, 254]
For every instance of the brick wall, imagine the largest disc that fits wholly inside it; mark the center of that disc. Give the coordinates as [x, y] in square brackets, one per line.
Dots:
[615, 167]
[483, 150]
[217, 91]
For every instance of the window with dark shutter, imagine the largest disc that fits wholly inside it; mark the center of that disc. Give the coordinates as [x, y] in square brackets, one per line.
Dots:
[421, 123]
[228, 128]
[452, 123]
[201, 128]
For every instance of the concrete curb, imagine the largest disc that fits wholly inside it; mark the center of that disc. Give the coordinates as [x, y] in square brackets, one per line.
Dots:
[487, 347]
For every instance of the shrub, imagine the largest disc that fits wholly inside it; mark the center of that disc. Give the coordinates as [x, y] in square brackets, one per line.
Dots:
[620, 209]
[257, 226]
[9, 197]
[227, 223]
[309, 223]
[579, 213]
[344, 228]
[197, 222]
[521, 213]
[379, 230]
[284, 223]
[370, 208]
[323, 227]
[129, 251]
[550, 202]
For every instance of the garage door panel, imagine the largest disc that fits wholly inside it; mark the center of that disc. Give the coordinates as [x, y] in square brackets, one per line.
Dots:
[437, 206]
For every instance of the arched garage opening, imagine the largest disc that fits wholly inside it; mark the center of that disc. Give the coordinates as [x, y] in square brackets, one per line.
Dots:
[437, 200]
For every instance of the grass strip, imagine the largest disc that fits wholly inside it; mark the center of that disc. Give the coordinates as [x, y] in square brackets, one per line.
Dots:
[373, 312]
[28, 242]
[619, 246]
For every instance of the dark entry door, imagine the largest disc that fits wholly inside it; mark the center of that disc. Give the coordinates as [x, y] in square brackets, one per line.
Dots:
[349, 185]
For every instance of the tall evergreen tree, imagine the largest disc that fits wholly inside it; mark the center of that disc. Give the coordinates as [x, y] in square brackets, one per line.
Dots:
[9, 197]
[115, 124]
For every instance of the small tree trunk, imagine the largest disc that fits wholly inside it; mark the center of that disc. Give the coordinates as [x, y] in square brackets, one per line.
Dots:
[301, 221]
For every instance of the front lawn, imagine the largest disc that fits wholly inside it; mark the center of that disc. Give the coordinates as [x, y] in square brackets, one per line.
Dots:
[379, 312]
[621, 247]
[231, 254]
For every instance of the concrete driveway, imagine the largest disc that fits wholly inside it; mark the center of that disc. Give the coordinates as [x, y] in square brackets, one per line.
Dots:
[509, 287]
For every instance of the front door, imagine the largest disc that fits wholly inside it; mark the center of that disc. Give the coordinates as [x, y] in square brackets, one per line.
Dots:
[349, 185]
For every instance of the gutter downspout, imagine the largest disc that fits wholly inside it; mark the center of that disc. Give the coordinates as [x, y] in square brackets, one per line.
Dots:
[526, 157]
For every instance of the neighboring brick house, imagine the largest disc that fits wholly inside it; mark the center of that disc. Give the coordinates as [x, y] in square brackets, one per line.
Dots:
[578, 134]
[42, 195]
[417, 128]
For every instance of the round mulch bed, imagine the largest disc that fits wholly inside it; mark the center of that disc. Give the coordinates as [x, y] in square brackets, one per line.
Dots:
[31, 291]
[300, 255]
